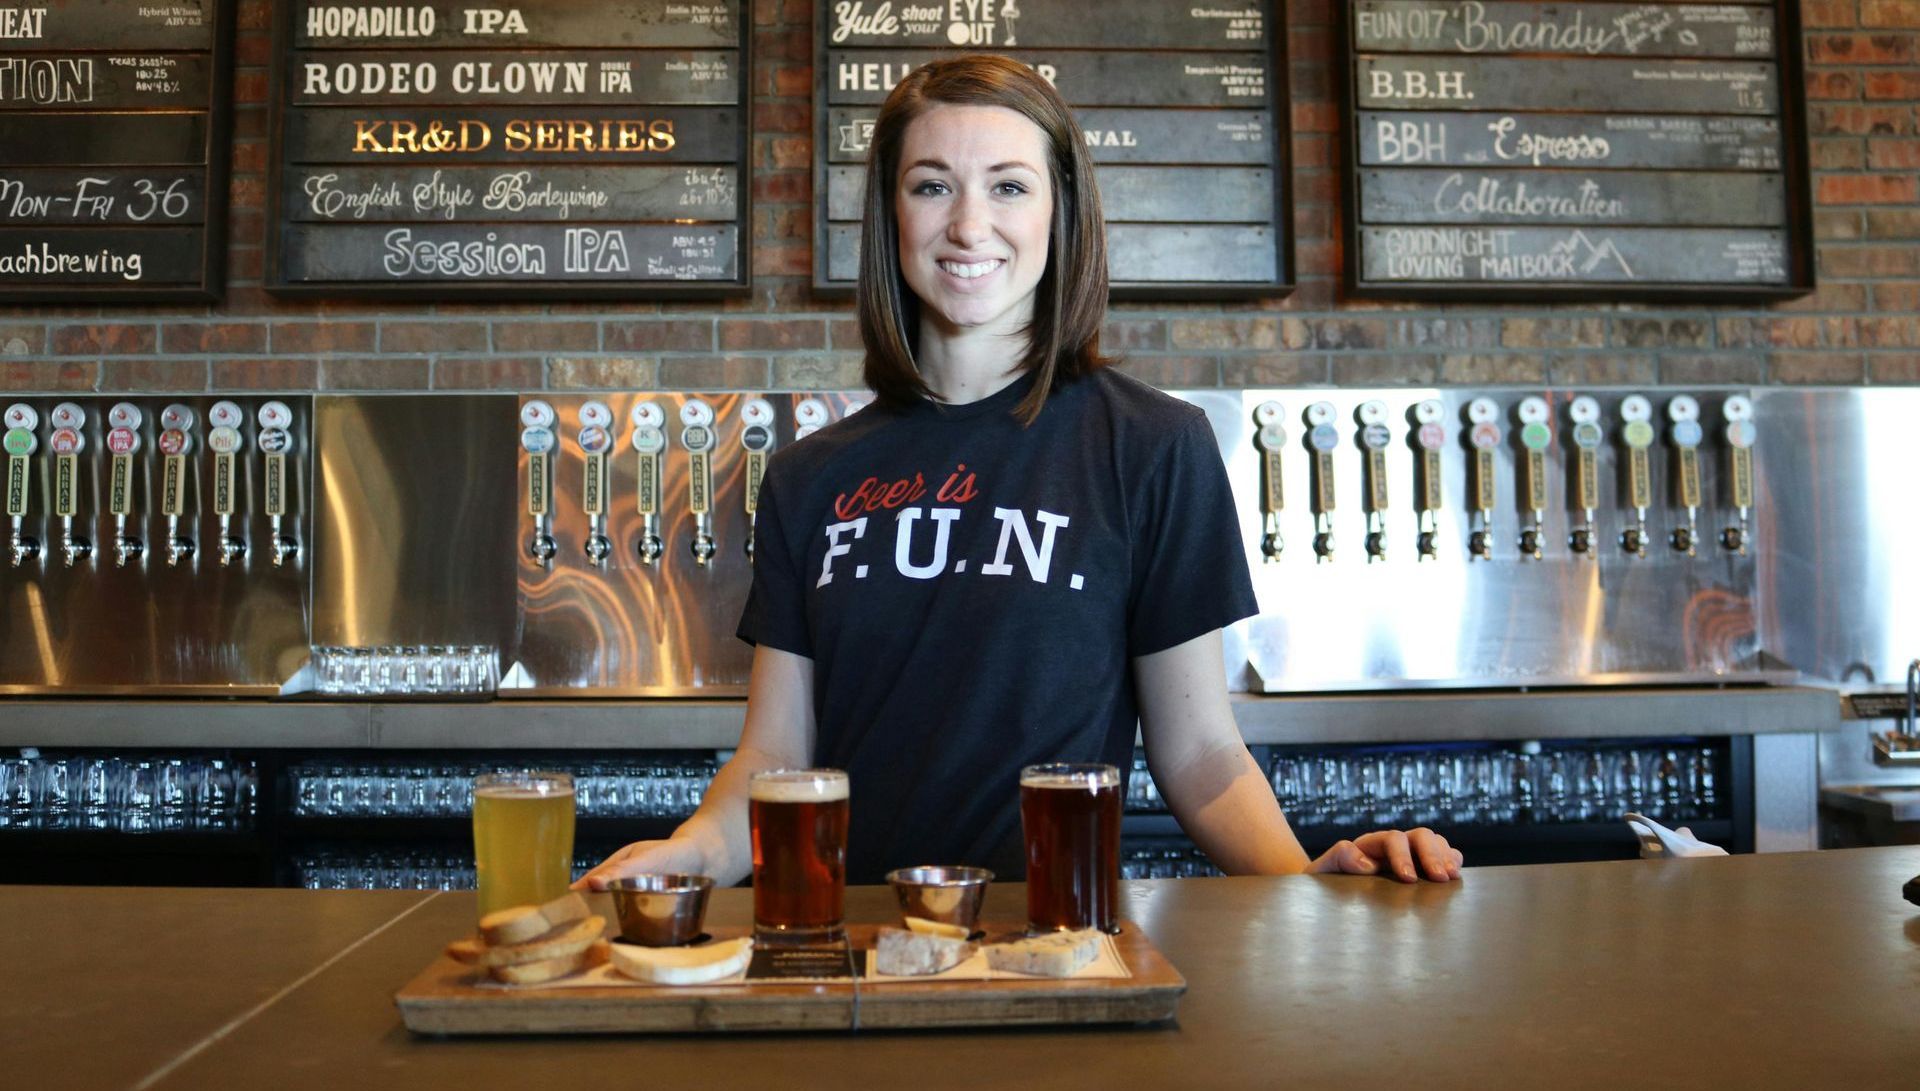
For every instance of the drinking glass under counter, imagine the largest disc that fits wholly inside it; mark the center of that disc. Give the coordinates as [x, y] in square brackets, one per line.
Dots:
[1787, 970]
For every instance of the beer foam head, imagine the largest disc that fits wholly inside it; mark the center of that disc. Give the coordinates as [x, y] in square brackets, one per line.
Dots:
[523, 785]
[798, 786]
[1069, 775]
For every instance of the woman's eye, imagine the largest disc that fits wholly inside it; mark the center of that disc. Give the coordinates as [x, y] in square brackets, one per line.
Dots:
[931, 188]
[1010, 189]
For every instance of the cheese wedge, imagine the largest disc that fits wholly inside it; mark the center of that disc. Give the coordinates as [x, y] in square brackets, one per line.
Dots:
[683, 965]
[1061, 954]
[899, 953]
[925, 927]
[568, 940]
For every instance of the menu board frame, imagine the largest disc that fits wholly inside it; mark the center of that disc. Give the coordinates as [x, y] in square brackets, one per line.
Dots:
[1796, 227]
[1279, 162]
[216, 160]
[557, 288]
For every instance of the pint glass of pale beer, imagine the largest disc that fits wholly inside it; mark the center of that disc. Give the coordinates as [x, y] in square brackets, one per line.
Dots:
[522, 838]
[799, 822]
[1071, 817]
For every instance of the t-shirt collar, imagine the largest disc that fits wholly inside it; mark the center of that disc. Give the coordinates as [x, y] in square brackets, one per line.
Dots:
[1002, 400]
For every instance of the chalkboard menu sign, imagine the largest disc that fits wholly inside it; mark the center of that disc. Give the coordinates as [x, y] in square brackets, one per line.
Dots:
[557, 148]
[1184, 108]
[1511, 149]
[113, 149]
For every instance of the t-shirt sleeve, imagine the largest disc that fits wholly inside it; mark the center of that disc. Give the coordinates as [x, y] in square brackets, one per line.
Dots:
[776, 610]
[1189, 565]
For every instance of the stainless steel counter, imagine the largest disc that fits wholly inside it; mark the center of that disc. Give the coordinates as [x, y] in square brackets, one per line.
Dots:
[1787, 971]
[1418, 716]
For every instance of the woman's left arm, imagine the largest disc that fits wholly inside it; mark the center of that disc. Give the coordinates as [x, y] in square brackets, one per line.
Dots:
[1223, 800]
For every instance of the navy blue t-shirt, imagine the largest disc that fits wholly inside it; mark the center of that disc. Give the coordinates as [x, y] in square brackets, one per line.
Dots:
[972, 594]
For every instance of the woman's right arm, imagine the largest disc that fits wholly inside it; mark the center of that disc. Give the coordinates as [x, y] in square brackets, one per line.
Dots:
[778, 734]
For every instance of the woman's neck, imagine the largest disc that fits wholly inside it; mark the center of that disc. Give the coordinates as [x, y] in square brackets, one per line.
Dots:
[963, 366]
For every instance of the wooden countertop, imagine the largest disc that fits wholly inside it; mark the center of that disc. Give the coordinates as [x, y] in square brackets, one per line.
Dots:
[1791, 971]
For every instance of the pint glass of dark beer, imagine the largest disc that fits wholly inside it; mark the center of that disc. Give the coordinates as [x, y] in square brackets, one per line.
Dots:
[1071, 817]
[799, 822]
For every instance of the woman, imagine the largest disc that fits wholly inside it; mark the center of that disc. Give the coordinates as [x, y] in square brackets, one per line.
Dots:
[1015, 554]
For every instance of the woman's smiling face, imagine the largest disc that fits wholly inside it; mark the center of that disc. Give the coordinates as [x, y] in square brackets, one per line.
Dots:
[974, 204]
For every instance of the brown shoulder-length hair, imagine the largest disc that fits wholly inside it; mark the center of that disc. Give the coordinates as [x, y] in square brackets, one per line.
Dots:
[1063, 340]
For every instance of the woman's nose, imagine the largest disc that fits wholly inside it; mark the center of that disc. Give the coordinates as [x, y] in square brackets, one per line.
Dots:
[969, 225]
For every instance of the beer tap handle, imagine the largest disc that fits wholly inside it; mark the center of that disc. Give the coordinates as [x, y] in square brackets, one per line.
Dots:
[276, 440]
[176, 444]
[1636, 416]
[68, 440]
[537, 419]
[596, 442]
[1536, 437]
[123, 441]
[697, 436]
[1683, 411]
[21, 442]
[1322, 440]
[756, 435]
[1375, 438]
[1587, 437]
[649, 445]
[1270, 439]
[1429, 438]
[225, 441]
[1484, 436]
[1740, 433]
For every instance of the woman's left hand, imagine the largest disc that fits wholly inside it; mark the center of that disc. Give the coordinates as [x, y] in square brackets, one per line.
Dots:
[1394, 853]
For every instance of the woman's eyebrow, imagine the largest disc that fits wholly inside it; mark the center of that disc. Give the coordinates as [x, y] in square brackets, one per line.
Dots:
[941, 165]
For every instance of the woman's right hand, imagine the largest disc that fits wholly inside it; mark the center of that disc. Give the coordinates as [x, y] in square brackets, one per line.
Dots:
[677, 855]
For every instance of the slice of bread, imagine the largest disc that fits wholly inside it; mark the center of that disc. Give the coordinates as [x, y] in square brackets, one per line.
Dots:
[466, 950]
[521, 923]
[566, 940]
[552, 969]
[514, 925]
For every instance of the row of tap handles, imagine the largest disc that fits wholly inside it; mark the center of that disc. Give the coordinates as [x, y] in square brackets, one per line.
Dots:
[68, 425]
[1484, 436]
[699, 436]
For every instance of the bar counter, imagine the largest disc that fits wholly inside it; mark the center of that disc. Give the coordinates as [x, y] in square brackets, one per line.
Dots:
[1788, 970]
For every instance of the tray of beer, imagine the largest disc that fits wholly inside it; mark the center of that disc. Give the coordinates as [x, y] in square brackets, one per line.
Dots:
[450, 998]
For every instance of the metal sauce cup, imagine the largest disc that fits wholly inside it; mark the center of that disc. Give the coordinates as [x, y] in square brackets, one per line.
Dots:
[660, 910]
[950, 895]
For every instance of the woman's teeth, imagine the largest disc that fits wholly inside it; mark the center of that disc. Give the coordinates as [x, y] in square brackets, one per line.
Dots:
[969, 272]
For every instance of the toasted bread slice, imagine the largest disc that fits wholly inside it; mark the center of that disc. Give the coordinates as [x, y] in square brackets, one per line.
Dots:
[565, 909]
[517, 924]
[521, 923]
[553, 969]
[468, 950]
[568, 940]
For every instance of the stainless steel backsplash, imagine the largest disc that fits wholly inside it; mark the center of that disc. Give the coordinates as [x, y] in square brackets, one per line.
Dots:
[412, 516]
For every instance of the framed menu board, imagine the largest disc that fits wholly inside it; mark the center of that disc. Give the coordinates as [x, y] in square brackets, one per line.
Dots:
[1184, 107]
[113, 150]
[1514, 149]
[550, 148]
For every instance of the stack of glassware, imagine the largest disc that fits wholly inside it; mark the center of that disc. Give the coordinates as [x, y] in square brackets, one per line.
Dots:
[1495, 785]
[402, 788]
[127, 793]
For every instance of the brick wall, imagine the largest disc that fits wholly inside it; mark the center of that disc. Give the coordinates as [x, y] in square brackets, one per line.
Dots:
[1863, 326]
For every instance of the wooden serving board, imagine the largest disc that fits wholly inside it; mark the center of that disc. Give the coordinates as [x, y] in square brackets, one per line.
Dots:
[448, 998]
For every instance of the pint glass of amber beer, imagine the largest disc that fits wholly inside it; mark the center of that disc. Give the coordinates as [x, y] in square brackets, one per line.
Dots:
[799, 823]
[1071, 817]
[522, 838]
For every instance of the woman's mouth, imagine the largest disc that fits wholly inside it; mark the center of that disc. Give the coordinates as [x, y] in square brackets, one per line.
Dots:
[971, 270]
